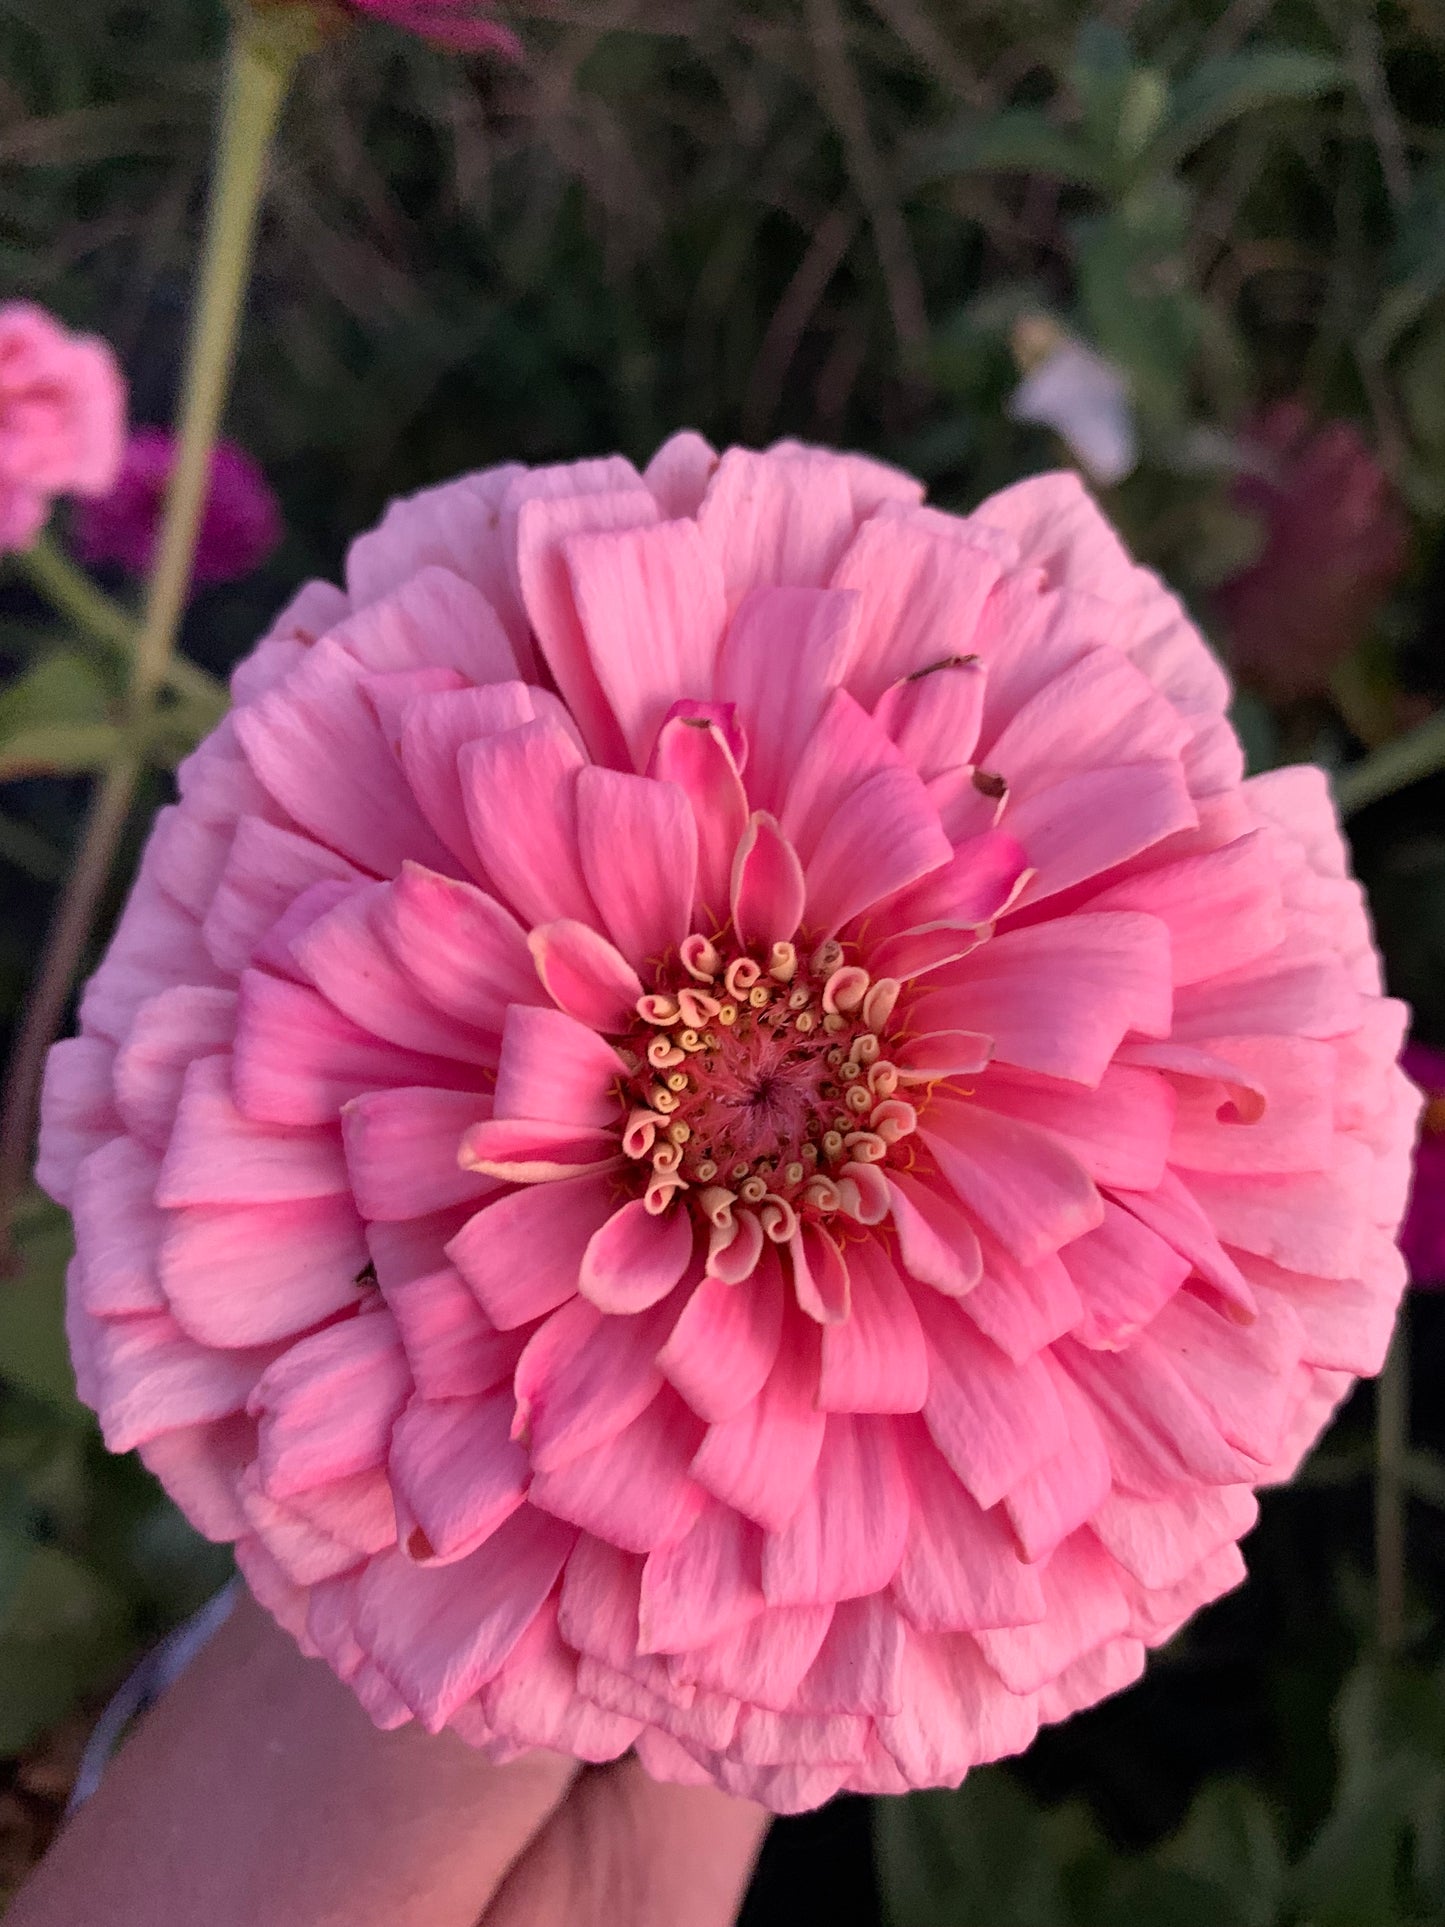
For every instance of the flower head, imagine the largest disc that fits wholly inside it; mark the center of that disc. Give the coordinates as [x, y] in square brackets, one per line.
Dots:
[1335, 545]
[240, 527]
[718, 1124]
[1423, 1237]
[62, 418]
[462, 26]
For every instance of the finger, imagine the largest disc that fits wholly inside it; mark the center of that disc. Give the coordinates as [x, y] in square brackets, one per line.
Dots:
[259, 1791]
[623, 1851]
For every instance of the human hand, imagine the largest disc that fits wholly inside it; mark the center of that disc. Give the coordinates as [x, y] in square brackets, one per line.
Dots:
[258, 1794]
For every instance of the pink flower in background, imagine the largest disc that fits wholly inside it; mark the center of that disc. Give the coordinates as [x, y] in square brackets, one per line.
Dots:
[62, 418]
[1423, 1237]
[1335, 544]
[240, 527]
[718, 1124]
[463, 26]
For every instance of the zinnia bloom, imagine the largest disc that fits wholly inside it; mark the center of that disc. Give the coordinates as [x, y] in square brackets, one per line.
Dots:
[62, 418]
[240, 527]
[717, 1124]
[462, 26]
[1423, 1237]
[1336, 542]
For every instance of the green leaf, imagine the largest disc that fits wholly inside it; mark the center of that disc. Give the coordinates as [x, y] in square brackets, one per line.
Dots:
[1221, 90]
[59, 689]
[1229, 1841]
[1019, 140]
[1138, 310]
[59, 749]
[33, 1353]
[63, 1632]
[980, 1857]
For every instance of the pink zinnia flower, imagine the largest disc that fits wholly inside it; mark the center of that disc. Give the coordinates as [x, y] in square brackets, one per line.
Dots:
[240, 527]
[462, 26]
[1336, 542]
[62, 418]
[1423, 1237]
[719, 1125]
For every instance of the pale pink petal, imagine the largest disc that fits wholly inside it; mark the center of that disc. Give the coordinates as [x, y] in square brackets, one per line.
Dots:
[327, 1405]
[402, 1148]
[820, 1274]
[680, 471]
[118, 1230]
[694, 751]
[462, 950]
[725, 1341]
[936, 1243]
[152, 1379]
[456, 1474]
[452, 1348]
[776, 518]
[956, 1712]
[885, 836]
[520, 790]
[435, 728]
[247, 1274]
[652, 609]
[555, 1068]
[298, 1060]
[784, 654]
[521, 1255]
[923, 585]
[1023, 1308]
[1084, 1605]
[767, 892]
[267, 869]
[1119, 1130]
[638, 844]
[702, 1586]
[993, 1419]
[1124, 1273]
[440, 1633]
[636, 1258]
[1024, 1186]
[79, 1107]
[933, 715]
[876, 1361]
[762, 1460]
[544, 524]
[1059, 997]
[635, 1493]
[582, 1378]
[960, 1570]
[846, 1538]
[217, 1156]
[1085, 825]
[585, 975]
[315, 743]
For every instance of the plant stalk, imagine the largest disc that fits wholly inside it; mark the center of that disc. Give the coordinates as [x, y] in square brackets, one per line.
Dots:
[260, 62]
[1392, 1441]
[90, 610]
[1418, 753]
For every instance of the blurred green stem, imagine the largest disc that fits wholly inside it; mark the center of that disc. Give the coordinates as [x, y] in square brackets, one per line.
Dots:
[70, 591]
[1392, 1439]
[264, 49]
[1418, 753]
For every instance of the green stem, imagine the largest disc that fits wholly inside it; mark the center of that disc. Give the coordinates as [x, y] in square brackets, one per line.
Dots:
[1392, 1441]
[1419, 753]
[72, 593]
[264, 49]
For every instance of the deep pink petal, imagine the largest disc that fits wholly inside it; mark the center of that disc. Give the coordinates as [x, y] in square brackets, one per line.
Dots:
[638, 844]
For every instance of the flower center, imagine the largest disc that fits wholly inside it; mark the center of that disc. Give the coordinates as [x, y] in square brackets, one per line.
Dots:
[764, 1085]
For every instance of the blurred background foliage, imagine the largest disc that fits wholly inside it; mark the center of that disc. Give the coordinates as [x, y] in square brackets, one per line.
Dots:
[861, 222]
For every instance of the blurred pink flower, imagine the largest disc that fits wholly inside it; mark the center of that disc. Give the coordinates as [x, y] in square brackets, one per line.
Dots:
[241, 525]
[1423, 1238]
[1335, 544]
[62, 418]
[463, 26]
[719, 1124]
